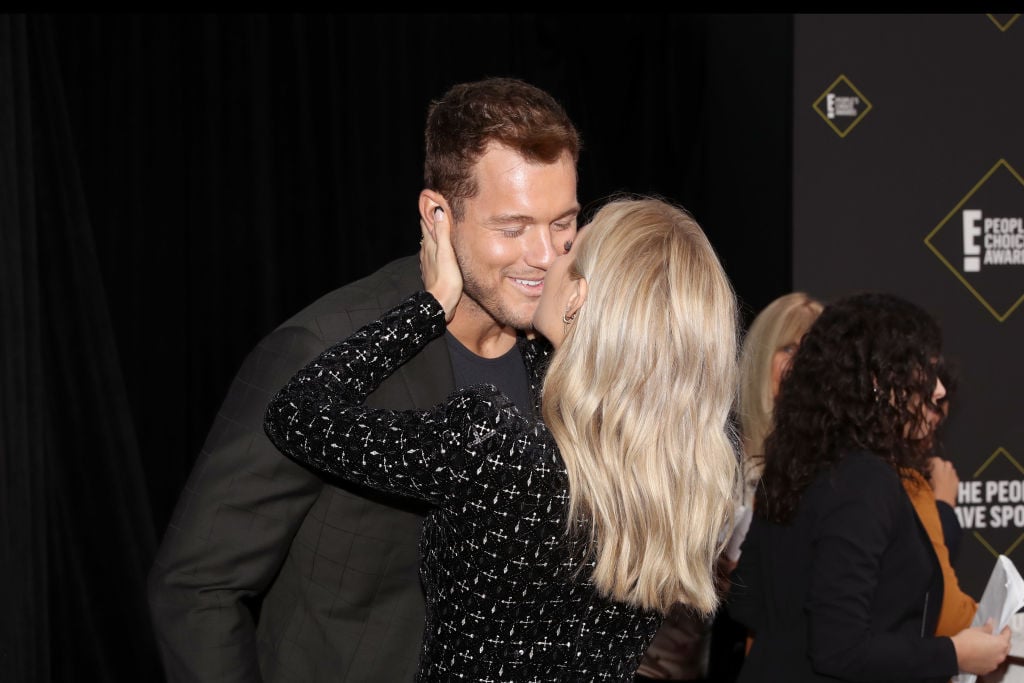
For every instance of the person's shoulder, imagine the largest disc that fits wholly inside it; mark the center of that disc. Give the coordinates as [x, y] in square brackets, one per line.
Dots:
[867, 465]
[535, 349]
[482, 407]
[861, 484]
[491, 427]
[342, 311]
[863, 474]
[481, 401]
[381, 289]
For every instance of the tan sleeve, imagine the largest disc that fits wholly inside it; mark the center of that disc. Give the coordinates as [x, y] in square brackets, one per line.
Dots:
[958, 608]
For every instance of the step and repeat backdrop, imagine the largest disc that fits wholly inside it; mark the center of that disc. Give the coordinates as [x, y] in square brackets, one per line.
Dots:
[909, 177]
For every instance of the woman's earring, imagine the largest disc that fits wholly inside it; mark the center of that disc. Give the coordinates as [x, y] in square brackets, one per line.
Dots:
[567, 319]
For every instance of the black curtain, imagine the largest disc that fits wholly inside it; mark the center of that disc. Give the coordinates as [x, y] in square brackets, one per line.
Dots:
[78, 529]
[174, 186]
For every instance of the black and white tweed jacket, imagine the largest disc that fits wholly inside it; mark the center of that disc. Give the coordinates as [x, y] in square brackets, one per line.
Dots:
[507, 588]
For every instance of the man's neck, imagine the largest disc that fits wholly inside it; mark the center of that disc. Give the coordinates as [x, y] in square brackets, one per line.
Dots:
[480, 333]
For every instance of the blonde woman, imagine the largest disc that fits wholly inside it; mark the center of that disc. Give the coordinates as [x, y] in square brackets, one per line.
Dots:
[771, 341]
[555, 545]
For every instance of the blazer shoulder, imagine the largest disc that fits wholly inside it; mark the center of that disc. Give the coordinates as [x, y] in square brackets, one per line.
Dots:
[860, 476]
[869, 468]
[342, 311]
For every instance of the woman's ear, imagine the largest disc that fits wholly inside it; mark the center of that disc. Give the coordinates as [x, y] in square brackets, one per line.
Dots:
[577, 297]
[429, 203]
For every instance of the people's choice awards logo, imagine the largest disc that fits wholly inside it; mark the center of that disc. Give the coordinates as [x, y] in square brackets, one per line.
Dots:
[993, 509]
[842, 106]
[1003, 21]
[982, 240]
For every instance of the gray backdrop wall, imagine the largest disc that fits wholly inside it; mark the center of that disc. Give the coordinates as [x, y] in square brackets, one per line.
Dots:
[908, 159]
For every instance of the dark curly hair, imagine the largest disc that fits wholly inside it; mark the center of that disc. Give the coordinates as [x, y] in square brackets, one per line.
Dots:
[863, 378]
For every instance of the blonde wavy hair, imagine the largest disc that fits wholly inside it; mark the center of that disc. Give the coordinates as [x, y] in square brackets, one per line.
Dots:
[638, 398]
[782, 322]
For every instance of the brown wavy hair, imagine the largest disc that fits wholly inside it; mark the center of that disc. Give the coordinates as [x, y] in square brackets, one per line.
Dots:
[507, 111]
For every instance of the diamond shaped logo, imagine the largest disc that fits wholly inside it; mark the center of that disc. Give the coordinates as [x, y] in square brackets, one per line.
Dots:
[842, 106]
[981, 241]
[1003, 21]
[1004, 495]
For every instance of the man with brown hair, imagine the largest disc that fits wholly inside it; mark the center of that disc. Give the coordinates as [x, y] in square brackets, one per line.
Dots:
[334, 568]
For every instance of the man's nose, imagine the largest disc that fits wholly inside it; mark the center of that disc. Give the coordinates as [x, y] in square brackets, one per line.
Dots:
[540, 249]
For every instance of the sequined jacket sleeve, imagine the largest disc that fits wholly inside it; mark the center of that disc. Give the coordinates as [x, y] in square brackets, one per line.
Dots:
[319, 420]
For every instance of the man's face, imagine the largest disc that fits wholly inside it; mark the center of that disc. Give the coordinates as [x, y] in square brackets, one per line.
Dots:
[512, 230]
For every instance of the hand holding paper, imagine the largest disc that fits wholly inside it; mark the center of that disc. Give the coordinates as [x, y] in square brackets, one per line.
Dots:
[1003, 597]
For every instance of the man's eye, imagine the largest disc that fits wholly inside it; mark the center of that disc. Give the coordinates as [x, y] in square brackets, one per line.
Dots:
[512, 233]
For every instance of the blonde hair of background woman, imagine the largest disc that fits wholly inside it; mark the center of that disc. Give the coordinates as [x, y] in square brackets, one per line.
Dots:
[638, 398]
[782, 322]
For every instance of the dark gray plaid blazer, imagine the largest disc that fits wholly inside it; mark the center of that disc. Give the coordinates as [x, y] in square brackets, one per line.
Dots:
[267, 573]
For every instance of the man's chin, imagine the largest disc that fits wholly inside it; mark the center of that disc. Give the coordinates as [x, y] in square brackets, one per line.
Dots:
[518, 319]
[509, 311]
[519, 324]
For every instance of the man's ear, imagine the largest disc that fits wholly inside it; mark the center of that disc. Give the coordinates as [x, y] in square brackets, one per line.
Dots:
[429, 202]
[577, 297]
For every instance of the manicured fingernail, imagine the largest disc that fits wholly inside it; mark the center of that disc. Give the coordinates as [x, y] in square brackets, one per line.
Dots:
[439, 214]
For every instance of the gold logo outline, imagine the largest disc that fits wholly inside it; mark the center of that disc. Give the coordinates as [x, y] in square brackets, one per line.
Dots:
[927, 240]
[1003, 27]
[856, 121]
[977, 535]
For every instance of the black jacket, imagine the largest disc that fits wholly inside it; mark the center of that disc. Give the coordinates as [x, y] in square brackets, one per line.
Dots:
[850, 589]
[509, 596]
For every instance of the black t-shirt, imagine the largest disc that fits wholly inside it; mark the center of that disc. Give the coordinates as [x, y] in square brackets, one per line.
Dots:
[507, 372]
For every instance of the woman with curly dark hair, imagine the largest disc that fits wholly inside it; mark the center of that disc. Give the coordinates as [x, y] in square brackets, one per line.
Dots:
[837, 578]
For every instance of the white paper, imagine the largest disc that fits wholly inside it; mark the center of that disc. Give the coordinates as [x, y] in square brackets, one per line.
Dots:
[1003, 597]
[1012, 670]
[744, 513]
